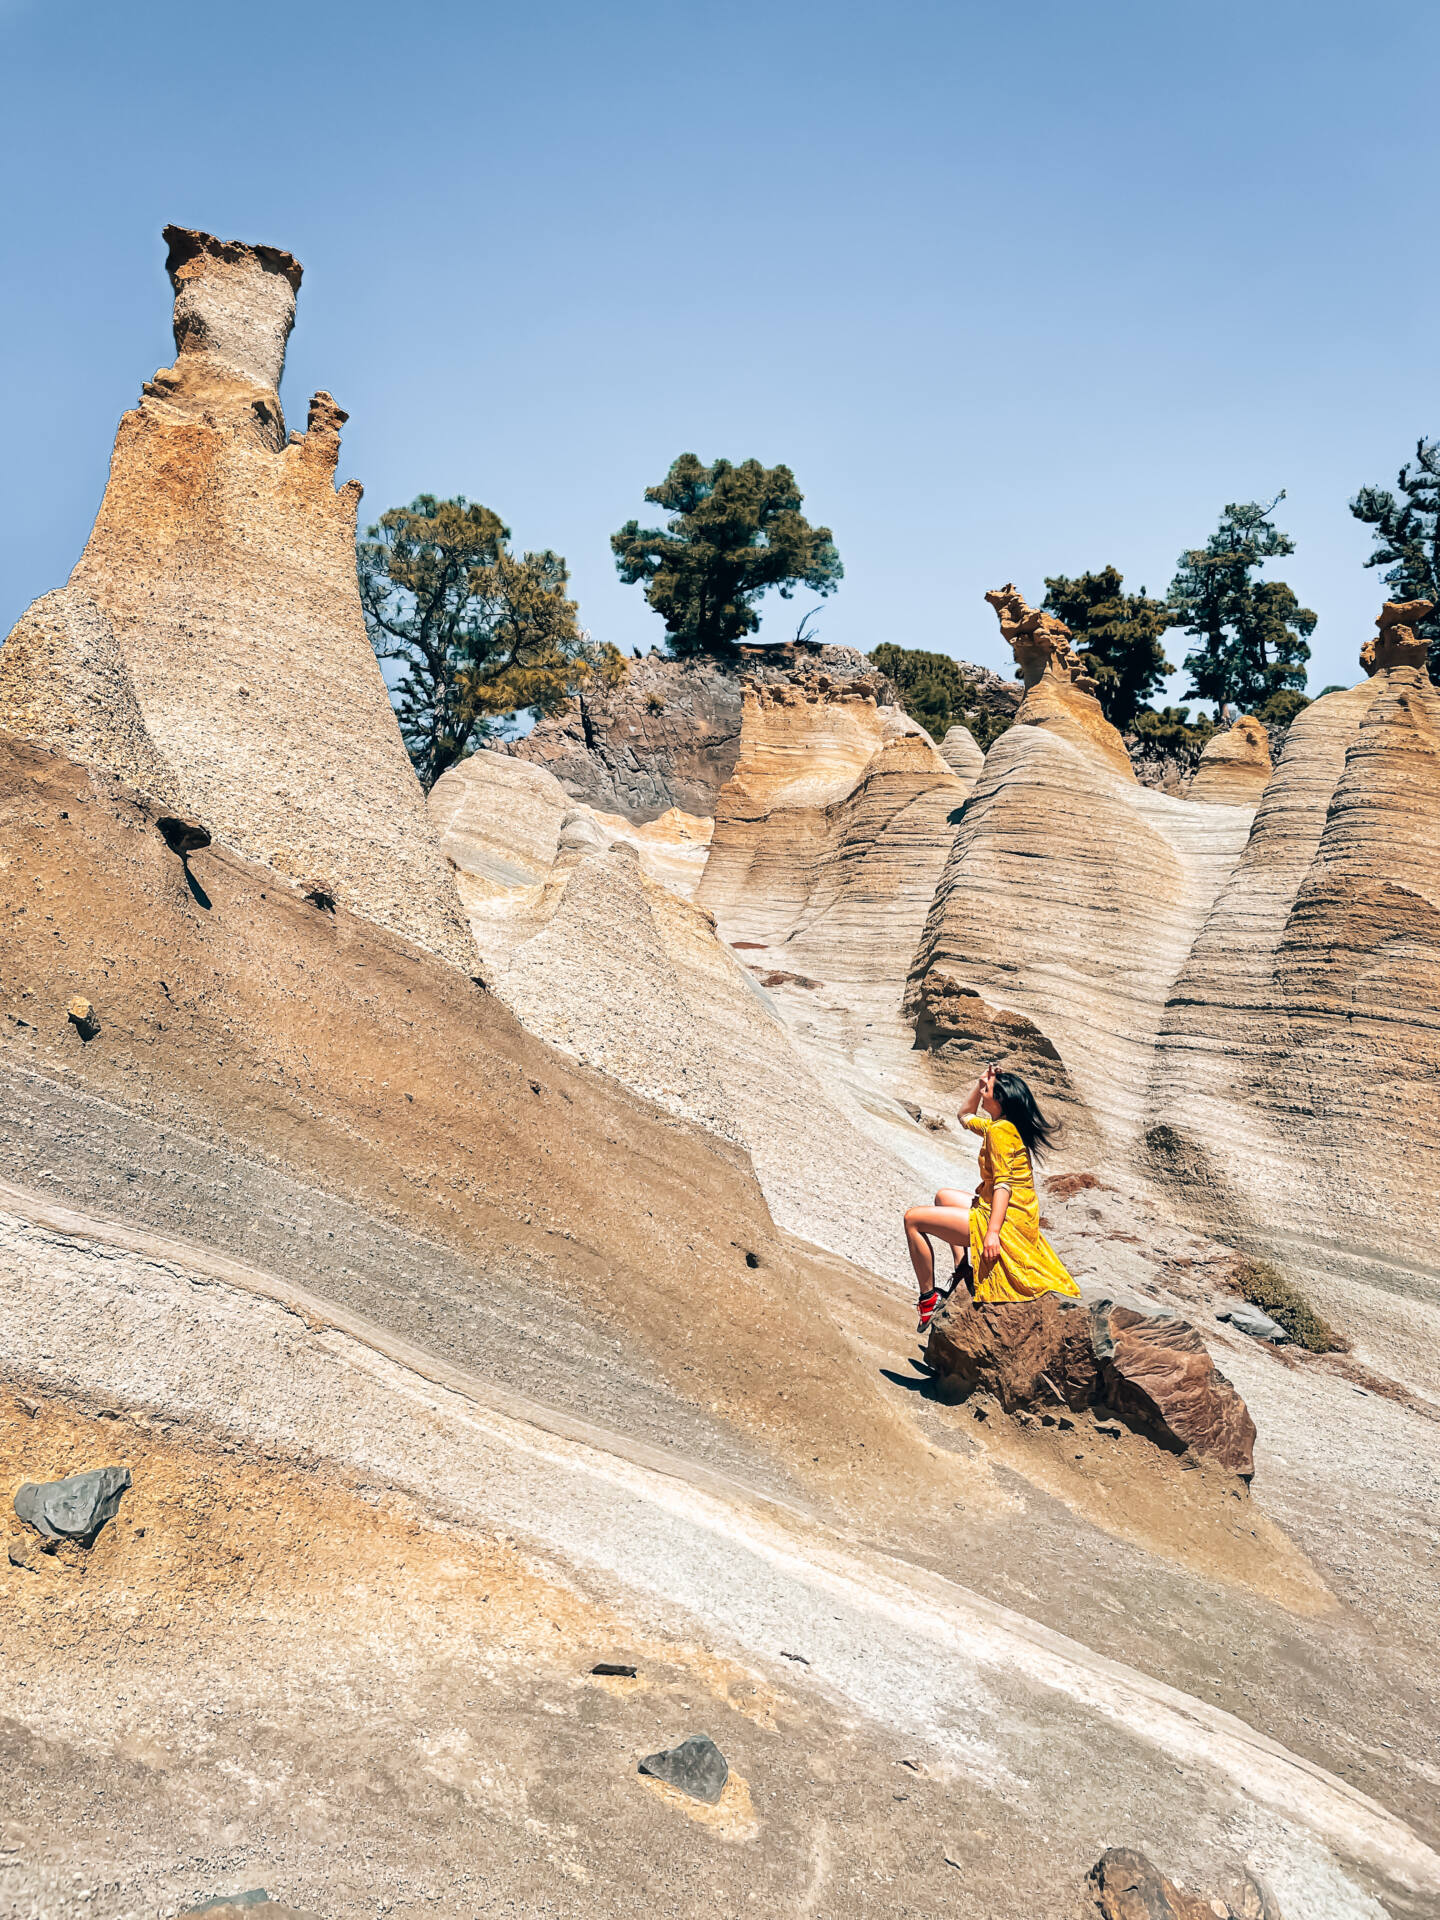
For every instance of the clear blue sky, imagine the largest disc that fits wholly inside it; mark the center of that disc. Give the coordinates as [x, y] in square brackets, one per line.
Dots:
[1015, 289]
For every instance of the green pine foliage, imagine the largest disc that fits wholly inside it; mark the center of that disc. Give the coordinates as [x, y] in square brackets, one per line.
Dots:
[1170, 730]
[1251, 636]
[480, 632]
[734, 532]
[1119, 636]
[935, 692]
[1407, 535]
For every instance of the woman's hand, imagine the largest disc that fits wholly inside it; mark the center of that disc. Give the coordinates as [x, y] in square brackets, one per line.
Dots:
[992, 1246]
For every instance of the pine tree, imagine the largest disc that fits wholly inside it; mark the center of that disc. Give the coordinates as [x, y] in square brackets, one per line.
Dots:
[1118, 635]
[1407, 535]
[734, 532]
[480, 632]
[1253, 635]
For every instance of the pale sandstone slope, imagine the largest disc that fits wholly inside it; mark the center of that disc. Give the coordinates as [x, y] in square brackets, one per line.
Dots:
[223, 563]
[602, 959]
[828, 841]
[1067, 905]
[1295, 1083]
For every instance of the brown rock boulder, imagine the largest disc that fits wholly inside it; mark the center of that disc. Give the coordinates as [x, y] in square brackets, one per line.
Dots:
[1032, 1353]
[1151, 1369]
[1157, 1376]
[1124, 1885]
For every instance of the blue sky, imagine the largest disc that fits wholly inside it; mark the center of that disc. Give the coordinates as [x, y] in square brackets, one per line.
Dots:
[1014, 289]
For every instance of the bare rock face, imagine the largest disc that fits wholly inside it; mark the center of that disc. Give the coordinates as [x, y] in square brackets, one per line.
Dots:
[669, 735]
[1157, 1375]
[1151, 1369]
[666, 737]
[961, 752]
[1124, 1885]
[1064, 912]
[828, 842]
[1059, 689]
[64, 684]
[1028, 1353]
[1235, 766]
[1294, 1087]
[222, 567]
[587, 935]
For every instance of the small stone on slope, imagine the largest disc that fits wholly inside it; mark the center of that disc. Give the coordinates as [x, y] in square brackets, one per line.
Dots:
[75, 1508]
[696, 1767]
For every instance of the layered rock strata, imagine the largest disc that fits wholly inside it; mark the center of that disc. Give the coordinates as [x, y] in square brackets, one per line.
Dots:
[1235, 766]
[669, 734]
[1294, 1087]
[828, 843]
[222, 568]
[612, 963]
[1067, 904]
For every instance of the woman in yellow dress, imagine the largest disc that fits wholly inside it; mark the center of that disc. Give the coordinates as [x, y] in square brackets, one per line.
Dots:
[1000, 1223]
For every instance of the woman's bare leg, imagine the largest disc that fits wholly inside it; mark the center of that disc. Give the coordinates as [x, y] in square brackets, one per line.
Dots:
[950, 1224]
[952, 1197]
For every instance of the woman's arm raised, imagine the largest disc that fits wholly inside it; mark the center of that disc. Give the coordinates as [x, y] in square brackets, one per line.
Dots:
[976, 1094]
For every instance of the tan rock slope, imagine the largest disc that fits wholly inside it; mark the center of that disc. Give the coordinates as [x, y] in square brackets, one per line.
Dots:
[1295, 1082]
[1067, 905]
[1235, 766]
[218, 587]
[451, 1374]
[668, 735]
[599, 954]
[828, 843]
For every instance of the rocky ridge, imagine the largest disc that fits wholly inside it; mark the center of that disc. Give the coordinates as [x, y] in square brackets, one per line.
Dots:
[210, 645]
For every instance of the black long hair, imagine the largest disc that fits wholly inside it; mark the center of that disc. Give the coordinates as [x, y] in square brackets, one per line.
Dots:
[1017, 1105]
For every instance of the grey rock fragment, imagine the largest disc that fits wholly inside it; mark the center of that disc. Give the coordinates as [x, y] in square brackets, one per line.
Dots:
[696, 1767]
[73, 1509]
[1248, 1319]
[254, 1905]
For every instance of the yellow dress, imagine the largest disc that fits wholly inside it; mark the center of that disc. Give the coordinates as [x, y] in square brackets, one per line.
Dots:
[1028, 1264]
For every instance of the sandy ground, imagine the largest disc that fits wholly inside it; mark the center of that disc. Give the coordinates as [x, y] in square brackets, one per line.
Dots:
[287, 1638]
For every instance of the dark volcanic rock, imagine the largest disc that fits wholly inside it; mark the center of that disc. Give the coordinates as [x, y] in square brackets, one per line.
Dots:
[256, 1904]
[73, 1509]
[696, 1766]
[1149, 1368]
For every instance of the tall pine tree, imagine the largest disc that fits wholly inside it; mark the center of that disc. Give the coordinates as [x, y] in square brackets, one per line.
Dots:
[1118, 634]
[1252, 636]
[1407, 535]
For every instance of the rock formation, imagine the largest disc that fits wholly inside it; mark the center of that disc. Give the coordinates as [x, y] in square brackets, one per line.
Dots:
[1059, 688]
[828, 842]
[961, 752]
[1294, 1083]
[1234, 767]
[668, 735]
[1067, 904]
[210, 645]
[585, 937]
[1151, 1369]
[479, 1411]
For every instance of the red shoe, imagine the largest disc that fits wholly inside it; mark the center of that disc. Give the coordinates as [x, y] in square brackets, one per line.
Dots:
[928, 1303]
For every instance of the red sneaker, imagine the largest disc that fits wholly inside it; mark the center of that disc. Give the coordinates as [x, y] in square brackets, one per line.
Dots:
[928, 1303]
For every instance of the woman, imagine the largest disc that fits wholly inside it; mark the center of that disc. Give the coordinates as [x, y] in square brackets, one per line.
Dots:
[999, 1224]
